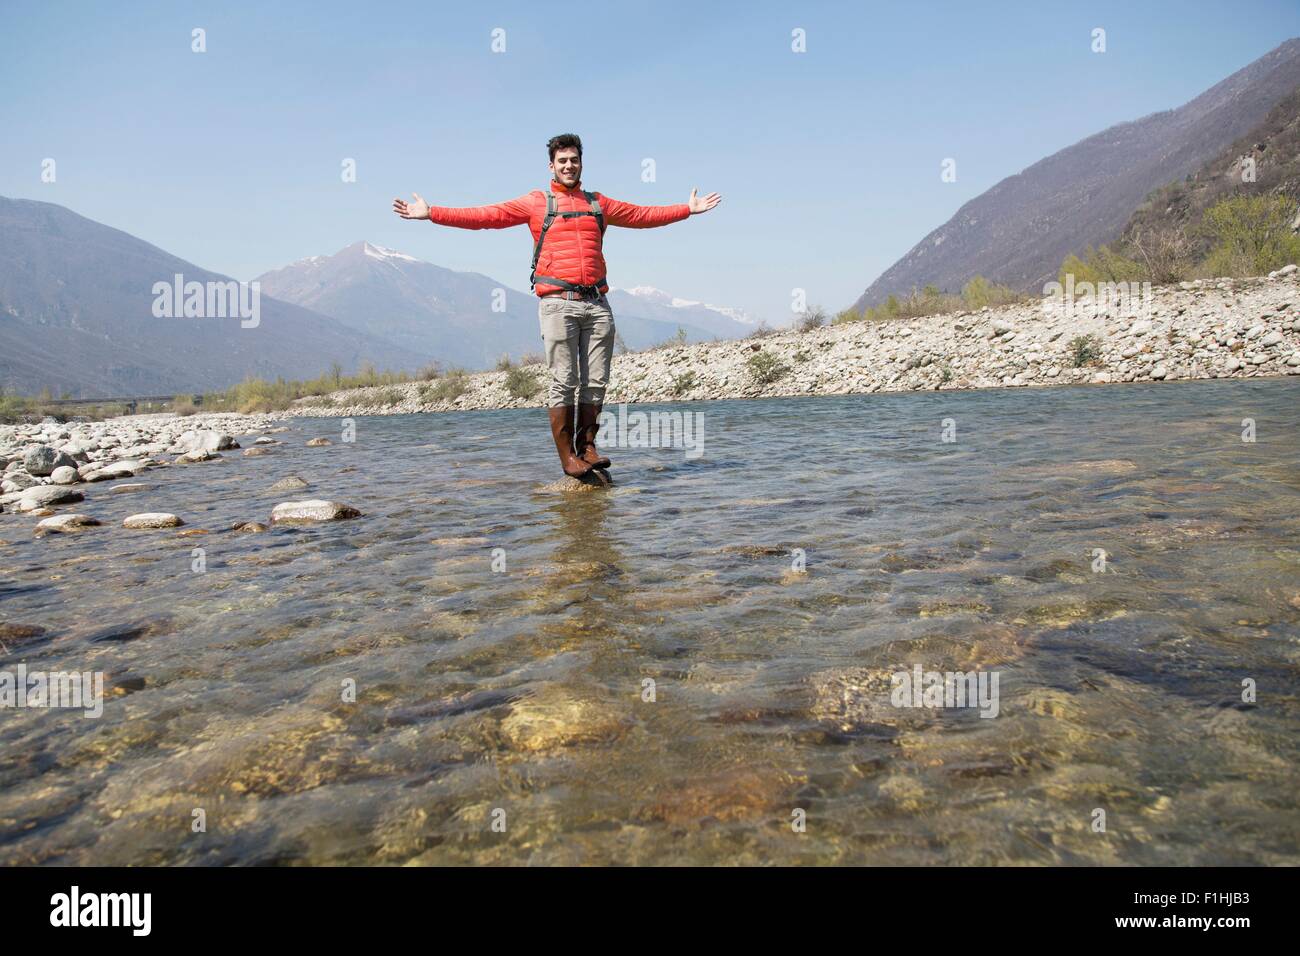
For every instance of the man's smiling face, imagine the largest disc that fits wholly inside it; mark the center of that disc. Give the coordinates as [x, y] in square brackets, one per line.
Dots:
[566, 167]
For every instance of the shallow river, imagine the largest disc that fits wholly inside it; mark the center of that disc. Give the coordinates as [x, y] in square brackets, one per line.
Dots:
[696, 665]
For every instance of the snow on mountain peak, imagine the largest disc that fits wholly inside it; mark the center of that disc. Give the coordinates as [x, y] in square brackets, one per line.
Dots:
[381, 253]
[650, 292]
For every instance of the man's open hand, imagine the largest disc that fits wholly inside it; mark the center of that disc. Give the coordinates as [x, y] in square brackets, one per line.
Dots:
[699, 205]
[415, 210]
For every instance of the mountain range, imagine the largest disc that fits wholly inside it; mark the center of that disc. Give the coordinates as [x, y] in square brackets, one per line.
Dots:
[466, 318]
[77, 307]
[1019, 231]
[78, 304]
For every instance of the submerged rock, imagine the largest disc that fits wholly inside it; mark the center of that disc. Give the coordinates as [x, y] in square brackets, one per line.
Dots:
[318, 442]
[314, 510]
[593, 480]
[292, 483]
[15, 635]
[152, 519]
[552, 718]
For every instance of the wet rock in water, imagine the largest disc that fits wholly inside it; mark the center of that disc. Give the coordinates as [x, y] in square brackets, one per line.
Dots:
[318, 442]
[129, 630]
[1061, 569]
[250, 526]
[1065, 613]
[314, 510]
[124, 685]
[553, 718]
[68, 522]
[43, 496]
[256, 451]
[593, 480]
[152, 519]
[292, 483]
[858, 698]
[127, 488]
[192, 457]
[744, 793]
[43, 459]
[16, 635]
[64, 475]
[753, 550]
[267, 440]
[119, 469]
[207, 440]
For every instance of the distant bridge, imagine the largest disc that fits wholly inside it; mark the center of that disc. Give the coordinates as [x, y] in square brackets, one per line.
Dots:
[131, 402]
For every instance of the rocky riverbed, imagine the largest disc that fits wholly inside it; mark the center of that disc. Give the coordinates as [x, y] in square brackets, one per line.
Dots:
[671, 671]
[1243, 328]
[54, 464]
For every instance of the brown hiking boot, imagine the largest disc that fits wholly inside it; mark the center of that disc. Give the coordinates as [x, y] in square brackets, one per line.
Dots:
[562, 419]
[585, 436]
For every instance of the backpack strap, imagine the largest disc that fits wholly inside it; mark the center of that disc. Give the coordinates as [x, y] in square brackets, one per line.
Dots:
[596, 210]
[537, 249]
[551, 214]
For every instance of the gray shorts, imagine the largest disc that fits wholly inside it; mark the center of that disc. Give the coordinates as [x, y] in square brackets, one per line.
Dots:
[579, 339]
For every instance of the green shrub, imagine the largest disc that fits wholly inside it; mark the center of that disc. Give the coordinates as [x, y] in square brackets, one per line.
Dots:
[1085, 350]
[1251, 235]
[522, 383]
[450, 387]
[979, 293]
[765, 368]
[810, 319]
[683, 383]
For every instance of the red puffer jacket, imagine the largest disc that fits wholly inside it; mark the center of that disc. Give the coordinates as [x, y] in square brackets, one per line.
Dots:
[572, 249]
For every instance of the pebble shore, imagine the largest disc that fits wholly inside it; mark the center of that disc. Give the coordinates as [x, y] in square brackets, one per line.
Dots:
[1226, 328]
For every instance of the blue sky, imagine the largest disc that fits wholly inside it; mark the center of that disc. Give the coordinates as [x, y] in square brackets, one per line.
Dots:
[828, 161]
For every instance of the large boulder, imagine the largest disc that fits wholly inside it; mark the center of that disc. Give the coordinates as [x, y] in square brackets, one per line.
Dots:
[65, 475]
[43, 459]
[207, 440]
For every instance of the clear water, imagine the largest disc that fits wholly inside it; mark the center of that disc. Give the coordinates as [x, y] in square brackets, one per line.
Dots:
[516, 696]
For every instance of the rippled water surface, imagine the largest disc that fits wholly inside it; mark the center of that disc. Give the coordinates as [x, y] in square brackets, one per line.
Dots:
[519, 695]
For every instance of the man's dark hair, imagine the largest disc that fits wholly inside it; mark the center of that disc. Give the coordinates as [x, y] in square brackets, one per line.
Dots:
[564, 141]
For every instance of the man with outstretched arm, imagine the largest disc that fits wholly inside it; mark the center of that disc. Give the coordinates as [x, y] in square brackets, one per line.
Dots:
[568, 226]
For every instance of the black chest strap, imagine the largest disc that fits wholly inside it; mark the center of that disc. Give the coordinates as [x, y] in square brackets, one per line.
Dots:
[552, 214]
